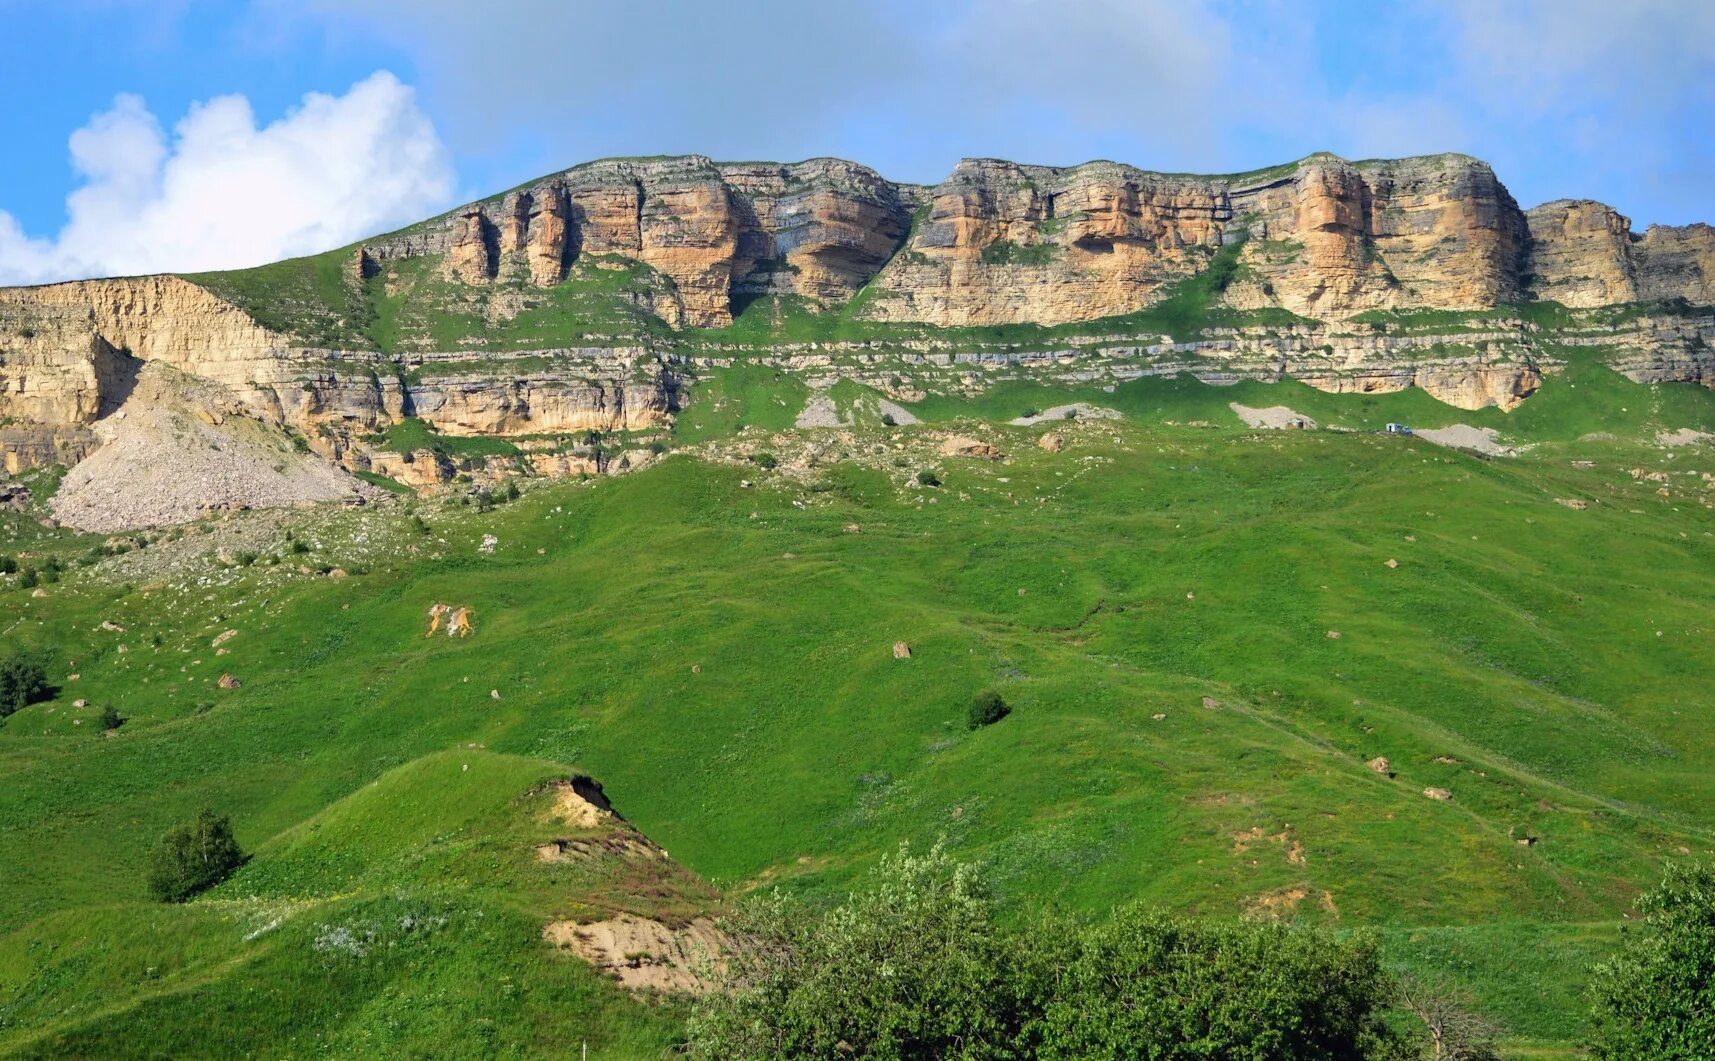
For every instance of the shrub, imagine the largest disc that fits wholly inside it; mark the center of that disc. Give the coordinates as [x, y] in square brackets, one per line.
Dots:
[297, 547]
[193, 856]
[915, 964]
[508, 490]
[1030, 411]
[8, 566]
[23, 681]
[28, 579]
[912, 966]
[987, 709]
[111, 719]
[245, 559]
[1148, 985]
[657, 448]
[925, 477]
[1655, 999]
[764, 460]
[887, 420]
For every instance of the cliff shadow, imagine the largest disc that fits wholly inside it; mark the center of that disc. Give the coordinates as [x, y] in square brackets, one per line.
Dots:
[116, 374]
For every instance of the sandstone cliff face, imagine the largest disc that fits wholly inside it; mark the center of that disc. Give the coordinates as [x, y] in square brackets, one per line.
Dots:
[1676, 262]
[1581, 253]
[819, 229]
[1584, 254]
[1008, 244]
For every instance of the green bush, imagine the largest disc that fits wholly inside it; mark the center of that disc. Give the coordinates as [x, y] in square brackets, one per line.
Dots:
[916, 964]
[887, 420]
[987, 709]
[111, 719]
[764, 460]
[1655, 999]
[1147, 985]
[28, 579]
[23, 681]
[926, 477]
[8, 566]
[193, 856]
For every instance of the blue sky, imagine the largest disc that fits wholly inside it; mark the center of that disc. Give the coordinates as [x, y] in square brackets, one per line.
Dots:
[180, 134]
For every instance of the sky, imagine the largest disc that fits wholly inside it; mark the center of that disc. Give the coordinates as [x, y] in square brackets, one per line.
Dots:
[155, 135]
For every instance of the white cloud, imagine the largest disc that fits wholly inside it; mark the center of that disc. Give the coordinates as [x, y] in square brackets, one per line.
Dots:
[226, 194]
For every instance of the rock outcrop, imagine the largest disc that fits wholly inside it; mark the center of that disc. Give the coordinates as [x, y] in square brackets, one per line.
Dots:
[1584, 254]
[819, 229]
[1008, 244]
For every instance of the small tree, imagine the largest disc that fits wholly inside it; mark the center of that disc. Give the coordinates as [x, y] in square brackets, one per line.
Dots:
[987, 709]
[194, 856]
[23, 681]
[111, 719]
[1454, 1031]
[1655, 999]
[27, 578]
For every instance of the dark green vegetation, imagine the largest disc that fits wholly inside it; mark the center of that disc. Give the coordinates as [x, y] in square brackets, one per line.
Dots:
[23, 680]
[193, 856]
[987, 709]
[1656, 998]
[918, 965]
[1155, 603]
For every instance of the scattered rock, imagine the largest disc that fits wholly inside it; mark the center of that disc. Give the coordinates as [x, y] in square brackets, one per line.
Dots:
[1211, 704]
[1391, 563]
[80, 703]
[1438, 793]
[853, 528]
[1577, 503]
[1333, 635]
[960, 446]
[489, 541]
[222, 638]
[1381, 766]
[494, 694]
[112, 627]
[227, 681]
[1445, 760]
[1051, 443]
[38, 592]
[901, 650]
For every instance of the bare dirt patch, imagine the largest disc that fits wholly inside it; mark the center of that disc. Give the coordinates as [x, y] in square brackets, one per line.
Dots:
[643, 954]
[1275, 417]
[1485, 440]
[1075, 411]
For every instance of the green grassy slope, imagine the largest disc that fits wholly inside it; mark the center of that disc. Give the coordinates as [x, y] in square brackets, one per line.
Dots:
[720, 657]
[404, 919]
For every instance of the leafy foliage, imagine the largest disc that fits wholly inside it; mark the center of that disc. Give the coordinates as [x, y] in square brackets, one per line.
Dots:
[1655, 999]
[916, 965]
[193, 857]
[986, 709]
[23, 681]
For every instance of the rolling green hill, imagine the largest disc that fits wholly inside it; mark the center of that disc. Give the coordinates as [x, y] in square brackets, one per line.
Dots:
[1206, 634]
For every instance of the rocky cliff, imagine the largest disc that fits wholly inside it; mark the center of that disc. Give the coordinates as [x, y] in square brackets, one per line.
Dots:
[589, 300]
[1004, 244]
[820, 229]
[1585, 254]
